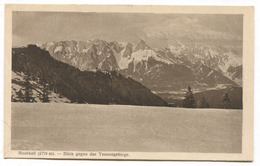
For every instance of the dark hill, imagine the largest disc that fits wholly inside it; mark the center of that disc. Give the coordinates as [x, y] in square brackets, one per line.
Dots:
[81, 86]
[213, 97]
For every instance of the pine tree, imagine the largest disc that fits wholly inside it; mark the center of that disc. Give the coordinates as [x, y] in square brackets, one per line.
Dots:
[27, 90]
[20, 95]
[226, 101]
[189, 101]
[44, 96]
[202, 103]
[45, 93]
[28, 94]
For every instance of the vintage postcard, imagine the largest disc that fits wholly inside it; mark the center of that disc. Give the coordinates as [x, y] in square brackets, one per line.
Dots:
[129, 82]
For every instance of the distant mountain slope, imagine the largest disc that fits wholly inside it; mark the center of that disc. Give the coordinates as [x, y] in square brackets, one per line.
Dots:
[210, 76]
[80, 86]
[235, 73]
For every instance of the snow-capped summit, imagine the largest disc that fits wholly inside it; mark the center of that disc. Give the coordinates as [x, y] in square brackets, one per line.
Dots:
[141, 46]
[85, 55]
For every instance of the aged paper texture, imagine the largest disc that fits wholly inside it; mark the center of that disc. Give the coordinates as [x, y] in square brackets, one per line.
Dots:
[129, 82]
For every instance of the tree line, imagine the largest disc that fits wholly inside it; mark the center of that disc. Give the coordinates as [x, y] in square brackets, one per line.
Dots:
[189, 101]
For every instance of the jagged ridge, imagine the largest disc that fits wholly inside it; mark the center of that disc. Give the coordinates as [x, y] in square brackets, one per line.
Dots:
[166, 67]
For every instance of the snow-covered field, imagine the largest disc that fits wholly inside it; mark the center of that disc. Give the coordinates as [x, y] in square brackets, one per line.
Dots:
[86, 127]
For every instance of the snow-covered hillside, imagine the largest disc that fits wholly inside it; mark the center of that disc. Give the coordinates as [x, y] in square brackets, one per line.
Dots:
[36, 90]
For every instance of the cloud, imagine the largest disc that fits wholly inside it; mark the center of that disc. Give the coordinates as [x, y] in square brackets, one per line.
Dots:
[38, 27]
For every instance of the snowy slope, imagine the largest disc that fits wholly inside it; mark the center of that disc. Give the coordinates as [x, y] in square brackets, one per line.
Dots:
[219, 59]
[18, 86]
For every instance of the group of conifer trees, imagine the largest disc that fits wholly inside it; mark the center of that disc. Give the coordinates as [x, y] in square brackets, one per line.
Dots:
[25, 94]
[189, 101]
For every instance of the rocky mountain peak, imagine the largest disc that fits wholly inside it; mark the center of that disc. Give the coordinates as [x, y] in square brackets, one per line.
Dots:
[128, 50]
[141, 46]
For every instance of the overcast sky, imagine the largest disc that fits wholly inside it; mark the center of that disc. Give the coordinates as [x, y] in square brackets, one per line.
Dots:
[39, 27]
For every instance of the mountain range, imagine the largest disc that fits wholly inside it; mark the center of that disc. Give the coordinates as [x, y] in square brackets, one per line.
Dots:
[171, 68]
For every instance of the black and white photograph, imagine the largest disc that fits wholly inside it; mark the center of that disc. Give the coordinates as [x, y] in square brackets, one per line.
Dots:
[115, 83]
